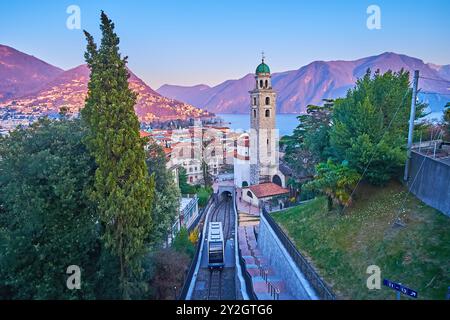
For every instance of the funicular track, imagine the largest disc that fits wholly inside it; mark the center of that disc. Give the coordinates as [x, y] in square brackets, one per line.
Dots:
[217, 284]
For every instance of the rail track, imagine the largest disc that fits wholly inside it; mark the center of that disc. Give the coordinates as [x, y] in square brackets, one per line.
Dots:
[215, 285]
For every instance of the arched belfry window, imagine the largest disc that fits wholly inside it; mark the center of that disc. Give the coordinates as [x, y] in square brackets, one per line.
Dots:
[267, 100]
[267, 113]
[267, 84]
[254, 101]
[260, 84]
[254, 113]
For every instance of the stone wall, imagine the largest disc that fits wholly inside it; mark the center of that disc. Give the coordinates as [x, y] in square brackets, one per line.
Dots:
[279, 259]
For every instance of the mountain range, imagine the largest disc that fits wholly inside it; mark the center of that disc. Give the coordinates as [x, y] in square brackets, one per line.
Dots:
[311, 83]
[33, 86]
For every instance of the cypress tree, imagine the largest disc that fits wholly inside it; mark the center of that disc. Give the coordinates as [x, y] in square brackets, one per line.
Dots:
[123, 189]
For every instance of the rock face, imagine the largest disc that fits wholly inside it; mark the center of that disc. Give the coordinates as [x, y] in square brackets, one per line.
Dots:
[310, 84]
[34, 86]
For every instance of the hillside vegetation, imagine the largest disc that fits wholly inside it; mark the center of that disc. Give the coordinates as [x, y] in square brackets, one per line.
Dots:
[341, 247]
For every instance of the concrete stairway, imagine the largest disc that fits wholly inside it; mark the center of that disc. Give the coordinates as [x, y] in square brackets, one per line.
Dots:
[267, 285]
[246, 219]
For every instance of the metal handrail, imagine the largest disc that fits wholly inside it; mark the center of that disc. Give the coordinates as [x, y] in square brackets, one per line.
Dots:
[247, 278]
[323, 291]
[271, 288]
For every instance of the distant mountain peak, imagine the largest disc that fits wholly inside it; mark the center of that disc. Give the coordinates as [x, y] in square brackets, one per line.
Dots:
[21, 73]
[35, 86]
[307, 85]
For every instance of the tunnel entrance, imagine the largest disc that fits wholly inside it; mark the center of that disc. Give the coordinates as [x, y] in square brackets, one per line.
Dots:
[225, 195]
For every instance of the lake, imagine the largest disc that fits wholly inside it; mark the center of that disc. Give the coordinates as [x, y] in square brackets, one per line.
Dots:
[286, 123]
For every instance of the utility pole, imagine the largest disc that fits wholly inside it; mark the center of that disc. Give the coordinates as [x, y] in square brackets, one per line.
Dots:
[411, 123]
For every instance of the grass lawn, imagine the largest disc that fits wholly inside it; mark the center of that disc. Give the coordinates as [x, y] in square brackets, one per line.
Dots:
[341, 247]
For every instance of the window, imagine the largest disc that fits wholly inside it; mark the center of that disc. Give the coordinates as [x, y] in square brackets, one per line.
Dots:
[260, 84]
[267, 113]
[249, 194]
[254, 101]
[254, 113]
[267, 84]
[267, 100]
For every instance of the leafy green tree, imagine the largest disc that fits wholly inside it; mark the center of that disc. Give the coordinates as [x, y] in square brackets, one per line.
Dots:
[185, 188]
[336, 181]
[122, 187]
[166, 204]
[369, 125]
[47, 221]
[310, 142]
[182, 244]
[447, 119]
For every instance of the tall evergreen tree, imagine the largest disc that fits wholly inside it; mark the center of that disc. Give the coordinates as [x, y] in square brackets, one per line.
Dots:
[122, 187]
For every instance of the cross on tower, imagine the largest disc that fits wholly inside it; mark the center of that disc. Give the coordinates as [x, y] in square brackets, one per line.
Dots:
[262, 55]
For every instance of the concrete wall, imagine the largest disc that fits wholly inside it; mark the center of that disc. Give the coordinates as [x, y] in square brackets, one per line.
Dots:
[252, 200]
[280, 260]
[432, 184]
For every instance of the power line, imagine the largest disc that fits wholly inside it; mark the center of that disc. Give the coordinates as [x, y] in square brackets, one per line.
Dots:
[431, 92]
[434, 79]
[434, 135]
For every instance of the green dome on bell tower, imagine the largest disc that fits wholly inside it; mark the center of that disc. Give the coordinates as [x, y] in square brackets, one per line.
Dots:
[262, 68]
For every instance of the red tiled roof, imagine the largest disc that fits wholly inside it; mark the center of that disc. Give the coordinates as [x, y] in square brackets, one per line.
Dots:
[167, 150]
[269, 189]
[144, 134]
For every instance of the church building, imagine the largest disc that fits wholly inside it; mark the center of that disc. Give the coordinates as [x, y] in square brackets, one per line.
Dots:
[256, 159]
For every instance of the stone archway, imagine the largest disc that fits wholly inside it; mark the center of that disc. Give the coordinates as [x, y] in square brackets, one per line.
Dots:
[277, 180]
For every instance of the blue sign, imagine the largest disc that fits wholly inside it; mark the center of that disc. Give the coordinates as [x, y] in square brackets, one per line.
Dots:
[400, 288]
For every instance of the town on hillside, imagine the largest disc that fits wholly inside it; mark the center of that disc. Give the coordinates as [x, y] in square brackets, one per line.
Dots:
[297, 179]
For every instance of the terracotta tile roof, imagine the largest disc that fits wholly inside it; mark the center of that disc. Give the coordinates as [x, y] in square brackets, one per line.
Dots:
[167, 151]
[269, 189]
[144, 134]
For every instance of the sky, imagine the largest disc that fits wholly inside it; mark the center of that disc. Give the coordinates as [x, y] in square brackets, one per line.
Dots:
[189, 42]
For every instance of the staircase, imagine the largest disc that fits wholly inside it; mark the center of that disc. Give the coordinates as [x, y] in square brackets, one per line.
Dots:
[267, 285]
[246, 219]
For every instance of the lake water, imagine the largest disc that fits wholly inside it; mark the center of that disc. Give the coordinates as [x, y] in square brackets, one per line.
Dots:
[286, 123]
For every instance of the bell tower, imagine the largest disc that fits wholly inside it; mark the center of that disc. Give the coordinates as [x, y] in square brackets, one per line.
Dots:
[263, 134]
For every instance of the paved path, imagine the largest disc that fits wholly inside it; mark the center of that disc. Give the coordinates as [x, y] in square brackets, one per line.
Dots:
[244, 207]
